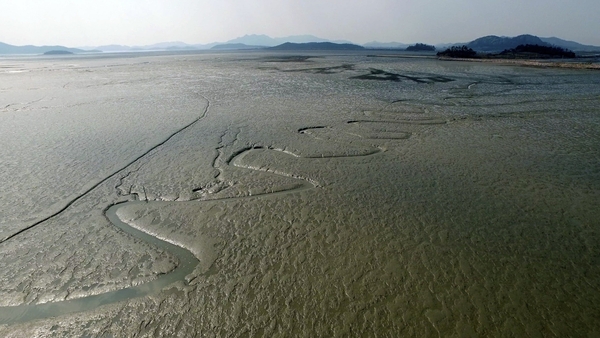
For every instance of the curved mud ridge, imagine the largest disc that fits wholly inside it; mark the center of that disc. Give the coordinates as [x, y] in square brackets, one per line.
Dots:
[113, 174]
[187, 262]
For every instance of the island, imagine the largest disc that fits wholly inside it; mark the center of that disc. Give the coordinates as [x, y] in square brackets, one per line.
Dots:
[520, 52]
[524, 55]
[536, 52]
[58, 52]
[419, 47]
[458, 52]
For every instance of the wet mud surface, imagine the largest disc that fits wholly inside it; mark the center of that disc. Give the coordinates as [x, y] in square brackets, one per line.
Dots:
[321, 195]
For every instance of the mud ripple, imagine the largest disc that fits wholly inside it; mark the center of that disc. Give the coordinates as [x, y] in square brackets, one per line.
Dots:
[187, 262]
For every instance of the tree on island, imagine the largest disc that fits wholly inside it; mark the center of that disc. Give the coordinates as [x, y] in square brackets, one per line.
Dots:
[538, 51]
[520, 52]
[420, 47]
[458, 52]
[58, 52]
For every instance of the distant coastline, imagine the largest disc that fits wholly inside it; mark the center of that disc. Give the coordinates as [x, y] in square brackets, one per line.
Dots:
[486, 44]
[542, 63]
[532, 55]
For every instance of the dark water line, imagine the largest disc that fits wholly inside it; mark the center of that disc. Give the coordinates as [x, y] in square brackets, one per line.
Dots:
[80, 196]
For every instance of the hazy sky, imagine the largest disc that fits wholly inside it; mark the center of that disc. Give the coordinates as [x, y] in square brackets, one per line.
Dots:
[139, 22]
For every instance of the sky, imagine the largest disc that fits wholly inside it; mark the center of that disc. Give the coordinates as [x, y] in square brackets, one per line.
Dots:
[76, 23]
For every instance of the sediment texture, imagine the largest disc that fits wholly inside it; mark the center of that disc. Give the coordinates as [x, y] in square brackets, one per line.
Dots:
[323, 196]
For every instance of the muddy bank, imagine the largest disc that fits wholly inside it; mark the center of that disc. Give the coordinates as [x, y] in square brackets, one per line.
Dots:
[339, 195]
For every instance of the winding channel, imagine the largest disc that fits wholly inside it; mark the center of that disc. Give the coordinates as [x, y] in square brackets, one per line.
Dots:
[187, 262]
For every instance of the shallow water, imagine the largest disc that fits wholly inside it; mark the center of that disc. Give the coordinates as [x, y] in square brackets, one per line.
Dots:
[448, 198]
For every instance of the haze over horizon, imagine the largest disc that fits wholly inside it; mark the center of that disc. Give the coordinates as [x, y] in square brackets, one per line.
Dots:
[136, 22]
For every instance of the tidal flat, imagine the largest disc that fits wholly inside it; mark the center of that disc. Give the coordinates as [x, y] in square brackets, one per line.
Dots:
[297, 194]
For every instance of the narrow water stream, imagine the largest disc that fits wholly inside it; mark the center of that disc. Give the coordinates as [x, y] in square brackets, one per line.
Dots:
[187, 262]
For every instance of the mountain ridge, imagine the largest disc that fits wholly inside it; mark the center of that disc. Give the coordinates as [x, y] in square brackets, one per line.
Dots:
[572, 45]
[30, 49]
[235, 46]
[494, 43]
[316, 46]
[488, 43]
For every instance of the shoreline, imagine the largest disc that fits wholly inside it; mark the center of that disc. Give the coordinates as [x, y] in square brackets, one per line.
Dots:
[538, 63]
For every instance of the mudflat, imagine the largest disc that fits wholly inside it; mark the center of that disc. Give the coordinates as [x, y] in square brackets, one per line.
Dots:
[281, 194]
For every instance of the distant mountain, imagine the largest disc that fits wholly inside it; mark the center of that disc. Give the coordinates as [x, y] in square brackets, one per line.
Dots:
[385, 45]
[572, 45]
[494, 43]
[235, 46]
[420, 47]
[490, 43]
[168, 45]
[114, 48]
[10, 49]
[442, 46]
[207, 45]
[181, 48]
[317, 46]
[175, 45]
[252, 41]
[264, 40]
[255, 40]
